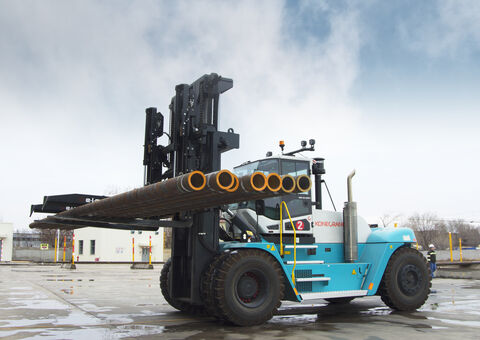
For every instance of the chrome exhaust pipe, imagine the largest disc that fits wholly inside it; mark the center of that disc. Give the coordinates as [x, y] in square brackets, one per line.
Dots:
[350, 228]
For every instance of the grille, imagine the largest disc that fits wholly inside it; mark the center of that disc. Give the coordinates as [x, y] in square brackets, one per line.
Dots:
[303, 286]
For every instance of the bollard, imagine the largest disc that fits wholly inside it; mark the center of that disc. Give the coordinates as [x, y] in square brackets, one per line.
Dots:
[460, 245]
[64, 247]
[150, 251]
[73, 249]
[55, 254]
[133, 249]
[58, 243]
[70, 264]
[450, 241]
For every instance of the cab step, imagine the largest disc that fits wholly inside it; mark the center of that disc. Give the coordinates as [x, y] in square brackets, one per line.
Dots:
[333, 294]
[312, 279]
[306, 262]
[301, 246]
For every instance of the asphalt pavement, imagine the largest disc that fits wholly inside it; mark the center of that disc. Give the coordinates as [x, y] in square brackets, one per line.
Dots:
[113, 301]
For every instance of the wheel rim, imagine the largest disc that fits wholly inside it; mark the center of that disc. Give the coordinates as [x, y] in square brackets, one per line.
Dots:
[251, 288]
[410, 279]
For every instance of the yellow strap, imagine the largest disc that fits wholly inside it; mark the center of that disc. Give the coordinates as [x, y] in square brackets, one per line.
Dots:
[294, 239]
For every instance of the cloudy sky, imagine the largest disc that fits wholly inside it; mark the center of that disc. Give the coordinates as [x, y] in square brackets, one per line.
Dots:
[388, 88]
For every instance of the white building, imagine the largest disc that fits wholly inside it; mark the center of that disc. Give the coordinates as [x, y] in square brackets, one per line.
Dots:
[111, 245]
[6, 241]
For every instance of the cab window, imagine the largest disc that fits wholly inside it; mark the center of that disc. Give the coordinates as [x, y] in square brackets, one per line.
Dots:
[299, 204]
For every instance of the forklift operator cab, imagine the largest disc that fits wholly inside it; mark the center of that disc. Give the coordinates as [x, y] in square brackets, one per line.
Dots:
[299, 204]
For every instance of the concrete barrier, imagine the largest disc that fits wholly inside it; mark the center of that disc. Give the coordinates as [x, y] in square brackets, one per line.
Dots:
[468, 254]
[458, 271]
[141, 265]
[38, 255]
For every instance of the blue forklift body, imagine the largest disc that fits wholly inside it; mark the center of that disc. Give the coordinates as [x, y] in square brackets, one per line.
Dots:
[323, 273]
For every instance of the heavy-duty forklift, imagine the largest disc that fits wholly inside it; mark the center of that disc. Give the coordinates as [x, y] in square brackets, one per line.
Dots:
[243, 242]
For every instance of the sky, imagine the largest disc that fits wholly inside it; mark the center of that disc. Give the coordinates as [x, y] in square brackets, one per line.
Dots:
[389, 88]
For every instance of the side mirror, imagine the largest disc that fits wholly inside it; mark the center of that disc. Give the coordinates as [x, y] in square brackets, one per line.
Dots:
[260, 207]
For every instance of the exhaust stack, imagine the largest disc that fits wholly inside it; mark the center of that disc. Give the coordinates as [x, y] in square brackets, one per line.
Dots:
[350, 234]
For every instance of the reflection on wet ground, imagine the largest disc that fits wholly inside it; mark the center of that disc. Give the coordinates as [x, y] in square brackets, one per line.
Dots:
[112, 301]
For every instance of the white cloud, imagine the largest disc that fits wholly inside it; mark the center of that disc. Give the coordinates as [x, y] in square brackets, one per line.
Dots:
[75, 78]
[451, 28]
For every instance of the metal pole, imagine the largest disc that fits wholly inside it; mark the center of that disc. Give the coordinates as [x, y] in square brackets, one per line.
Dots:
[55, 257]
[460, 244]
[318, 191]
[150, 250]
[73, 248]
[64, 247]
[450, 241]
[133, 249]
[58, 243]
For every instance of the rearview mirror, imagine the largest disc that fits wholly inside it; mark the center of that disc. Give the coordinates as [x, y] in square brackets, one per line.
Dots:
[260, 207]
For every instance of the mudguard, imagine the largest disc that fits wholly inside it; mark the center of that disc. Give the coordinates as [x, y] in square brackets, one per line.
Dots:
[384, 235]
[291, 292]
[378, 250]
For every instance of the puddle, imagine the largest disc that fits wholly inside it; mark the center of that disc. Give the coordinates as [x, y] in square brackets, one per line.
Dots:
[138, 330]
[377, 311]
[458, 322]
[60, 280]
[92, 308]
[21, 288]
[34, 300]
[31, 271]
[472, 287]
[68, 291]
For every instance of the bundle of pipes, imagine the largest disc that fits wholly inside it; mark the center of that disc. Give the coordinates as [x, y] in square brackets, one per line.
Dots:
[192, 191]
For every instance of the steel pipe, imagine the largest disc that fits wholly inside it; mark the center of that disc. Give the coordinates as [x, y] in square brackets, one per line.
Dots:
[218, 183]
[274, 182]
[190, 182]
[189, 192]
[303, 184]
[199, 185]
[288, 184]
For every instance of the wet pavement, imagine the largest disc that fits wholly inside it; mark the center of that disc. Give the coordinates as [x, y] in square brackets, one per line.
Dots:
[113, 301]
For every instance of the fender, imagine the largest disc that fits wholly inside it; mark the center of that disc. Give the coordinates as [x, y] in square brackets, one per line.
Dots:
[291, 292]
[380, 246]
[402, 235]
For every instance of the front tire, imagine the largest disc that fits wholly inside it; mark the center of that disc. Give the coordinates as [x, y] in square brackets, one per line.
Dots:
[248, 287]
[406, 282]
[207, 290]
[177, 304]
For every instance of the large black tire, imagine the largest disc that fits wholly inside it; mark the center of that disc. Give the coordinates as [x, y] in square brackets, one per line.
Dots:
[248, 287]
[207, 286]
[340, 301]
[406, 282]
[180, 305]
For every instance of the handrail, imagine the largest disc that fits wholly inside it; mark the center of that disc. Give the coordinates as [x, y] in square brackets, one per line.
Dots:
[294, 239]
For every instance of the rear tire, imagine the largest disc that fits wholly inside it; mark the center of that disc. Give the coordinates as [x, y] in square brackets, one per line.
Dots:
[406, 282]
[248, 287]
[180, 305]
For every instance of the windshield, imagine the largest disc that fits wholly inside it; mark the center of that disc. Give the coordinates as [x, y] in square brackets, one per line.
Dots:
[299, 204]
[266, 166]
